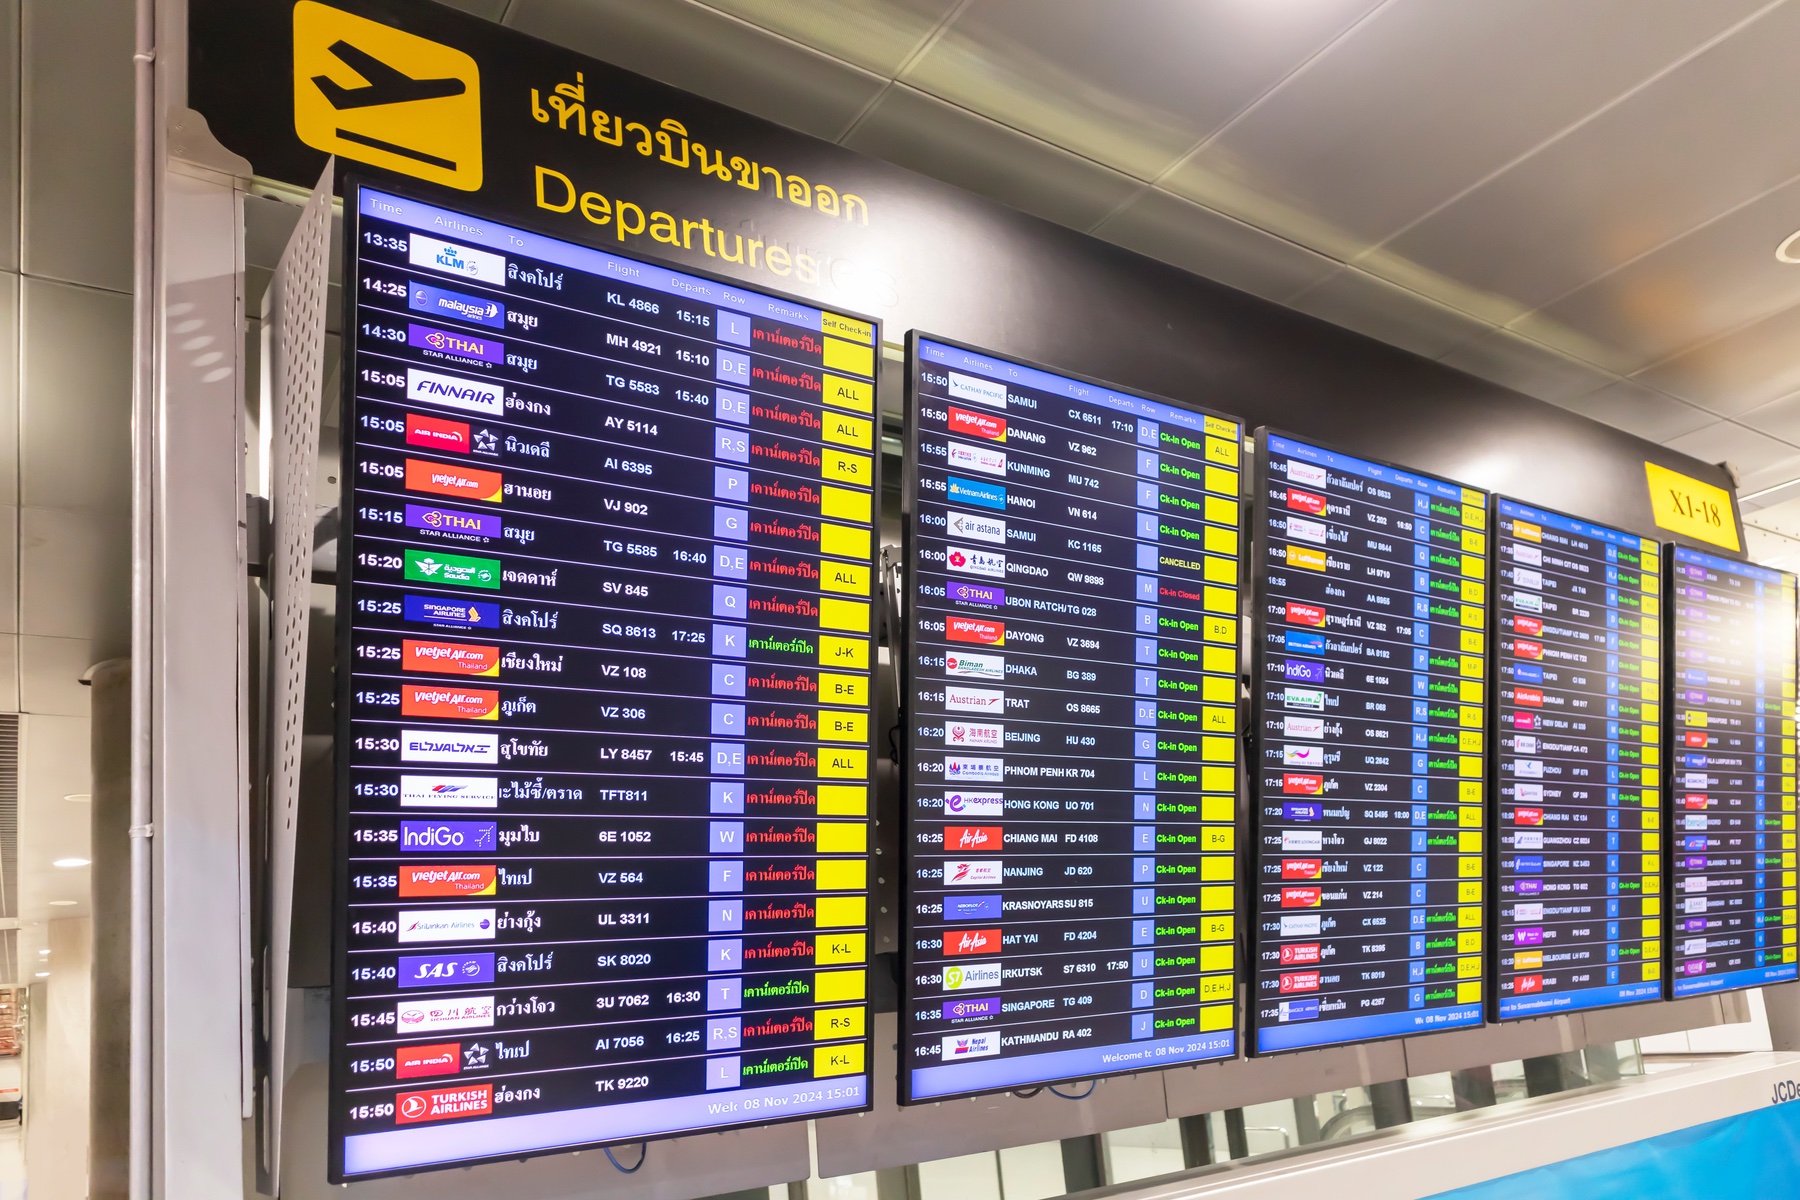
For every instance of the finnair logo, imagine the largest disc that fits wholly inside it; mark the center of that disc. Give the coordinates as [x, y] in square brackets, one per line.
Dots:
[428, 387]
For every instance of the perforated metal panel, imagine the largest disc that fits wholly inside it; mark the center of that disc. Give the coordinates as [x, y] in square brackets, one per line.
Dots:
[294, 317]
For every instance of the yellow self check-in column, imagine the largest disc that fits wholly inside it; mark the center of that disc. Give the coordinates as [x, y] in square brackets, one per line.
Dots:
[1731, 693]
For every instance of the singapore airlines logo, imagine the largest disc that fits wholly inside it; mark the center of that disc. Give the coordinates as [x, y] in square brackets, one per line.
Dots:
[380, 95]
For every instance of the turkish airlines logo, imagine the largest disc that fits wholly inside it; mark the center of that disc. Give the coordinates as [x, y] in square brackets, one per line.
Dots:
[440, 1104]
[1300, 954]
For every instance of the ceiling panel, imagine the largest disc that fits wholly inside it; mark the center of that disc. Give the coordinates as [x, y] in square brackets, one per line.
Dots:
[1673, 155]
[1760, 459]
[1716, 278]
[1507, 359]
[1740, 371]
[918, 131]
[1779, 418]
[1131, 83]
[1207, 243]
[1358, 300]
[53, 763]
[709, 53]
[877, 35]
[1640, 410]
[1426, 98]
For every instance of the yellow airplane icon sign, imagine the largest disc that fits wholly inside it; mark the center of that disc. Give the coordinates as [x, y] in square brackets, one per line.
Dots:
[380, 95]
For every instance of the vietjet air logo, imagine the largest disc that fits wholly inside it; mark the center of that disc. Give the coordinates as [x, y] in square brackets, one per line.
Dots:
[379, 95]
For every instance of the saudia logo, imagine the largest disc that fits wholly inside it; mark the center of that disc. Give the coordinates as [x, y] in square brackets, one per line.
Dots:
[376, 94]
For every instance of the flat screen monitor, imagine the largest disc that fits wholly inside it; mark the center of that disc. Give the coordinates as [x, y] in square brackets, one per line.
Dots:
[1370, 692]
[1731, 778]
[604, 698]
[1577, 841]
[1071, 734]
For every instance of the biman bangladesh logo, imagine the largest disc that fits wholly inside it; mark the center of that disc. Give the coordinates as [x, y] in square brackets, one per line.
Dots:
[379, 95]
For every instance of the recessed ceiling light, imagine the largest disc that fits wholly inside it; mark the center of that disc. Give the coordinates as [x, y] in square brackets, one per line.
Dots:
[69, 864]
[43, 974]
[62, 903]
[79, 797]
[1789, 250]
[46, 951]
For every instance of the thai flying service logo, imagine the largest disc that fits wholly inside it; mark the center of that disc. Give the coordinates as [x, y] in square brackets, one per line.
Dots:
[369, 92]
[429, 387]
[449, 791]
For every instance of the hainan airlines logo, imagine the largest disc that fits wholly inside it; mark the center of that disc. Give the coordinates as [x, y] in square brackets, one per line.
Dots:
[379, 95]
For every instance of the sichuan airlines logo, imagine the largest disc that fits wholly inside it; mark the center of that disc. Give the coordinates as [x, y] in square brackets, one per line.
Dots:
[376, 94]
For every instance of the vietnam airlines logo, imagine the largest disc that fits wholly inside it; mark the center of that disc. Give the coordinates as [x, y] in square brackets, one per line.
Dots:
[379, 95]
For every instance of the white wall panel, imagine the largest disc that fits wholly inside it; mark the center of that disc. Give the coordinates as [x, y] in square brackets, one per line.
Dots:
[75, 397]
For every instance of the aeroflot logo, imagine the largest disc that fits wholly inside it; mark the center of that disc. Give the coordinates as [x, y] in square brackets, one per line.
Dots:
[428, 387]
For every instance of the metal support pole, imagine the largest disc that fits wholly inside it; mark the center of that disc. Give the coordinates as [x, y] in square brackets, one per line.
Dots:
[1196, 1141]
[1306, 1120]
[1473, 1087]
[1551, 1073]
[1083, 1164]
[1392, 1103]
[1237, 1140]
[1602, 1059]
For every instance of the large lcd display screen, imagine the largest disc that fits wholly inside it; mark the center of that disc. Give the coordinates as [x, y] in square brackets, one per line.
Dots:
[1071, 683]
[1578, 836]
[604, 699]
[1731, 680]
[1369, 689]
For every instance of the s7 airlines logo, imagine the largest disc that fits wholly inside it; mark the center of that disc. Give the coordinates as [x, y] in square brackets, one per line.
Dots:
[970, 976]
[465, 483]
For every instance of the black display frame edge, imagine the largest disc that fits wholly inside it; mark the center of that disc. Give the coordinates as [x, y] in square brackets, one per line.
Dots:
[352, 185]
[1491, 851]
[909, 507]
[1259, 503]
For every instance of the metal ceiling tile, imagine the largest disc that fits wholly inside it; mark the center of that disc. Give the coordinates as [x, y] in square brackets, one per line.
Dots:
[1358, 300]
[876, 35]
[50, 671]
[1782, 517]
[1643, 411]
[710, 54]
[1778, 418]
[1740, 371]
[1771, 549]
[1716, 278]
[55, 756]
[75, 576]
[1512, 361]
[1134, 83]
[1692, 145]
[74, 397]
[1754, 454]
[911, 129]
[1425, 98]
[1207, 243]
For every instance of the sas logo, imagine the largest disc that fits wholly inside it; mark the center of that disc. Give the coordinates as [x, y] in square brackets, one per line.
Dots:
[433, 746]
[448, 925]
[428, 387]
[972, 837]
[420, 1062]
[441, 1104]
[449, 791]
[449, 658]
[972, 976]
[435, 434]
[977, 424]
[449, 704]
[973, 1045]
[437, 879]
[972, 941]
[379, 95]
[973, 629]
[445, 970]
[976, 562]
[967, 873]
[465, 483]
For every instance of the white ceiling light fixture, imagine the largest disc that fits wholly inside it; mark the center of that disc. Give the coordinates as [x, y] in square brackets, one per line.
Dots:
[1789, 250]
[43, 974]
[70, 864]
[63, 903]
[44, 951]
[79, 797]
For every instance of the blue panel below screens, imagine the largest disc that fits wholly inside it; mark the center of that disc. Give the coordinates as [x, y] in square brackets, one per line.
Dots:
[1700, 985]
[1600, 997]
[1307, 1033]
[986, 1075]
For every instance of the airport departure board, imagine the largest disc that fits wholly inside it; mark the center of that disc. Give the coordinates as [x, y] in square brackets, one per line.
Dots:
[1578, 850]
[1731, 634]
[1071, 675]
[604, 699]
[1369, 688]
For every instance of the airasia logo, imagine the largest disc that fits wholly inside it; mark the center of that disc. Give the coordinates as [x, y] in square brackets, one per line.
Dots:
[972, 941]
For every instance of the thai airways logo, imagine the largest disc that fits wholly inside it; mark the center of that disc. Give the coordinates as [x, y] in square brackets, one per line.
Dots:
[964, 457]
[419, 1062]
[369, 92]
[973, 804]
[989, 563]
[971, 941]
[428, 387]
[441, 1104]
[969, 1010]
[449, 658]
[449, 703]
[438, 837]
[437, 879]
[974, 700]
[434, 746]
[465, 483]
[972, 1045]
[447, 925]
[971, 977]
[422, 297]
[972, 872]
[450, 344]
[985, 594]
[988, 667]
[453, 524]
[449, 791]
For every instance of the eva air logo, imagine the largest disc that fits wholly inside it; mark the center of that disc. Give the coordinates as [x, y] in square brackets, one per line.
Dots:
[376, 94]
